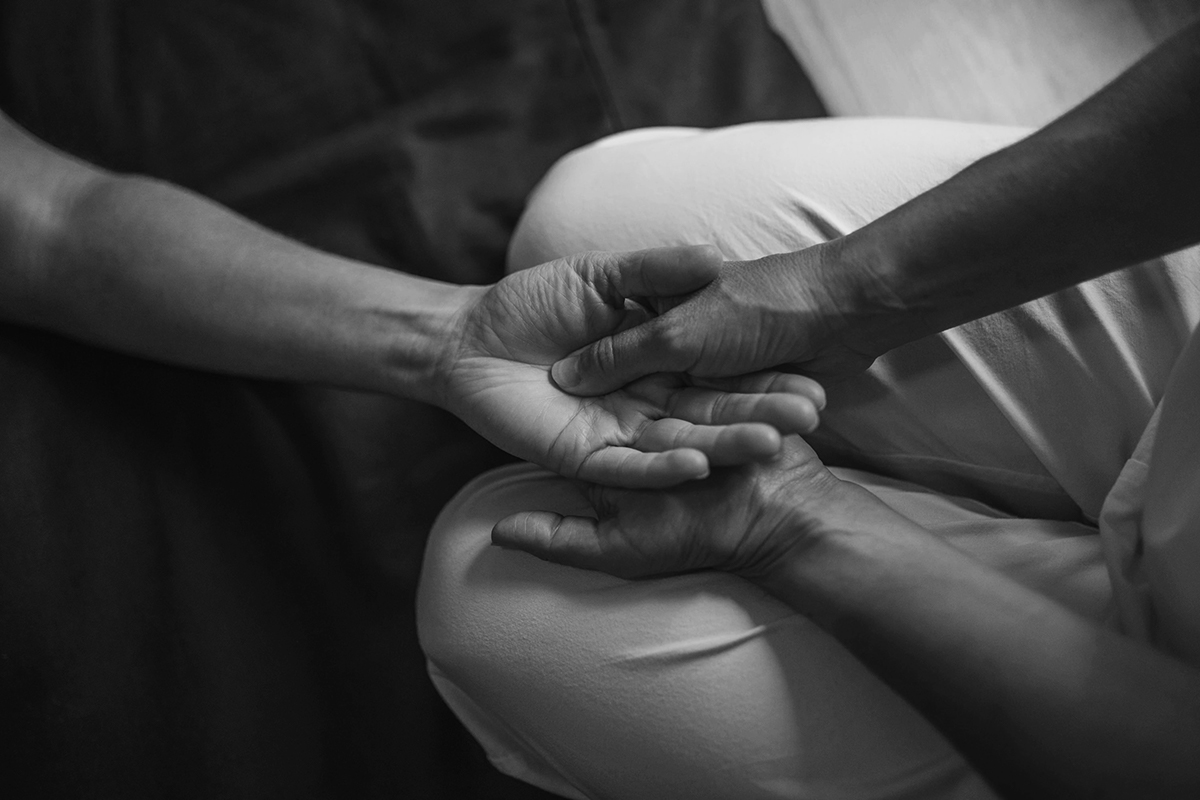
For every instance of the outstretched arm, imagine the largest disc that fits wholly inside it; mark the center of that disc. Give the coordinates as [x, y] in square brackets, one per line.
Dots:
[1111, 183]
[144, 267]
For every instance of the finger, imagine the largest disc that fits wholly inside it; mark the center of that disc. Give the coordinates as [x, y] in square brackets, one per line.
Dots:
[789, 413]
[769, 382]
[574, 541]
[723, 445]
[614, 361]
[634, 469]
[633, 314]
[663, 271]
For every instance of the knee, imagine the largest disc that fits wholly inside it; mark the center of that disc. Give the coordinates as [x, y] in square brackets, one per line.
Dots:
[476, 602]
[578, 204]
[696, 685]
[750, 189]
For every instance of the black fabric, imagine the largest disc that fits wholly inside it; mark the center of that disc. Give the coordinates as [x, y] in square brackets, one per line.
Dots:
[206, 582]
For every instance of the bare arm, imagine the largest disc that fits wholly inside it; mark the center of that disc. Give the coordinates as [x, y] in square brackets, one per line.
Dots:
[1041, 701]
[1111, 183]
[141, 266]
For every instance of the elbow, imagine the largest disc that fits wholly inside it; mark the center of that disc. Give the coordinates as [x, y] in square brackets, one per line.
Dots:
[39, 223]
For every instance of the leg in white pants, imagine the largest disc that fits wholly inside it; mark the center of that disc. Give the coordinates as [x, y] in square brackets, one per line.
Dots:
[701, 685]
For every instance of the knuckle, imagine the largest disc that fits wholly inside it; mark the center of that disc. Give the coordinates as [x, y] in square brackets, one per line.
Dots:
[669, 339]
[555, 536]
[595, 266]
[679, 435]
[721, 408]
[604, 355]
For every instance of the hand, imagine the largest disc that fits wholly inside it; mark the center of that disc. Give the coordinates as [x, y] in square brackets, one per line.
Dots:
[742, 519]
[781, 311]
[658, 431]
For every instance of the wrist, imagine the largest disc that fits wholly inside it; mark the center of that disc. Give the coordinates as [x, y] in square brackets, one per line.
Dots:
[795, 509]
[846, 534]
[428, 330]
[879, 310]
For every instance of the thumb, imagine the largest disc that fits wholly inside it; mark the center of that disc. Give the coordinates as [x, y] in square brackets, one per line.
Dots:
[614, 361]
[573, 541]
[663, 271]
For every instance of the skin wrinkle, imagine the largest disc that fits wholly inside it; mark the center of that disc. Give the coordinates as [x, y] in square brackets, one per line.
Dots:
[553, 447]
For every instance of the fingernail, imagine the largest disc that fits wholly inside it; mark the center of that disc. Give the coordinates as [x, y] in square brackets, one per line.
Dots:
[566, 373]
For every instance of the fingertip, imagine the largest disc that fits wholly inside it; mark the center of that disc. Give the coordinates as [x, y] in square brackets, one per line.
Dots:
[798, 414]
[525, 530]
[766, 442]
[506, 532]
[811, 413]
[566, 373]
[709, 255]
[802, 385]
[607, 364]
[812, 419]
[584, 377]
[680, 465]
[747, 442]
[815, 392]
[690, 464]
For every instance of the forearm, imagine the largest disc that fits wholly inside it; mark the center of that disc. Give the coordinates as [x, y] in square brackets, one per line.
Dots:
[1113, 182]
[147, 268]
[1042, 702]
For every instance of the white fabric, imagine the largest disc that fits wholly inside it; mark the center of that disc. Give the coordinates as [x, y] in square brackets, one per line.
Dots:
[1076, 375]
[696, 686]
[701, 685]
[1151, 522]
[1170, 529]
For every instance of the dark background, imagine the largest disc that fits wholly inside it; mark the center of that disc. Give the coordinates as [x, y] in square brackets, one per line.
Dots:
[206, 582]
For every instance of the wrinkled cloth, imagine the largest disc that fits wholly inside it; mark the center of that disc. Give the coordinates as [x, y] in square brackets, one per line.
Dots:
[406, 134]
[1034, 410]
[1004, 437]
[1151, 522]
[699, 685]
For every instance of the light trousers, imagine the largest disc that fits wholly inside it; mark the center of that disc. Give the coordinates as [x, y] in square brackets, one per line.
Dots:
[1003, 436]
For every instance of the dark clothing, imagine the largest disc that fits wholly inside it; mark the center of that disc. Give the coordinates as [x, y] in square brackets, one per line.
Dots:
[206, 582]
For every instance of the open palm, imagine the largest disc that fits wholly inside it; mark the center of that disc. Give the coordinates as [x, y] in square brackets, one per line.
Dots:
[660, 430]
[741, 519]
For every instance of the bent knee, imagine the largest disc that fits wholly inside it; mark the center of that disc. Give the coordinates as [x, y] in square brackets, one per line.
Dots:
[697, 685]
[583, 200]
[751, 190]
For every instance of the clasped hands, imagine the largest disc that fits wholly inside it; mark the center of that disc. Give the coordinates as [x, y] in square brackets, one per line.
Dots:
[657, 360]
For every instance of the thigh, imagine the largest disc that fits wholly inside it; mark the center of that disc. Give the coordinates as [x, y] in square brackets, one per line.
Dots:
[751, 190]
[696, 686]
[1034, 410]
